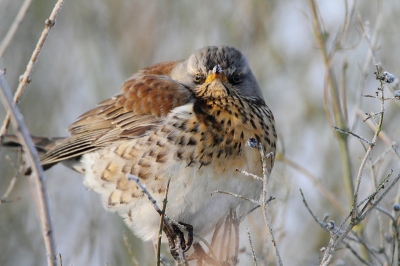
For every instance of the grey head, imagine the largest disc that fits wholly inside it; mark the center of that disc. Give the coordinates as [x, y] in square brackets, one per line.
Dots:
[229, 60]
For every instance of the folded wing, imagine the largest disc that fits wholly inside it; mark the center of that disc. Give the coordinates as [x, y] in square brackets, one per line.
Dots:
[146, 98]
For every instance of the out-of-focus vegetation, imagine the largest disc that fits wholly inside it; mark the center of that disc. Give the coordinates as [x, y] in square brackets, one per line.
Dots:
[96, 45]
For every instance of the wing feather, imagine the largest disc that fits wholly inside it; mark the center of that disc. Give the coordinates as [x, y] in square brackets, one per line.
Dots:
[146, 98]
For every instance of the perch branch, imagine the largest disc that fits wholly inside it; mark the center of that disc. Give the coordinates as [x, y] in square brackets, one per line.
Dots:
[38, 177]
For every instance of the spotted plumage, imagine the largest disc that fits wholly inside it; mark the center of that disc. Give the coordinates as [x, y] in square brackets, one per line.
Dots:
[188, 120]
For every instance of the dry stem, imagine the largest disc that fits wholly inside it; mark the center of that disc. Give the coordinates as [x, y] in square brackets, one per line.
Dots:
[265, 201]
[26, 77]
[39, 181]
[14, 26]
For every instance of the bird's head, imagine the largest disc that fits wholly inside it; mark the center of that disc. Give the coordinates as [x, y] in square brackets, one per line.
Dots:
[218, 72]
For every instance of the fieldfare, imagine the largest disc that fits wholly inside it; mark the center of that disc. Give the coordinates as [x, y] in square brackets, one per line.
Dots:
[188, 120]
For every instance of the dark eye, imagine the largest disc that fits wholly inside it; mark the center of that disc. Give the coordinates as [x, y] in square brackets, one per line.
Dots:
[237, 78]
[198, 78]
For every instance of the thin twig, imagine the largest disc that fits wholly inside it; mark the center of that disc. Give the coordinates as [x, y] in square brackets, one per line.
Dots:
[26, 77]
[337, 239]
[236, 196]
[4, 197]
[353, 134]
[38, 177]
[387, 213]
[371, 146]
[162, 222]
[356, 254]
[321, 223]
[322, 188]
[253, 255]
[256, 177]
[166, 218]
[265, 201]
[371, 197]
[129, 248]
[145, 191]
[370, 249]
[373, 42]
[382, 135]
[14, 26]
[382, 156]
[376, 202]
[394, 149]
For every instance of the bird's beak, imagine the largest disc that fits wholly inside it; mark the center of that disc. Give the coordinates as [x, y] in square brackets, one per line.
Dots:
[216, 74]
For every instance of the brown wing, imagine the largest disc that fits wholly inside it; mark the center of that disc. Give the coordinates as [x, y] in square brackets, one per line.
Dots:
[146, 98]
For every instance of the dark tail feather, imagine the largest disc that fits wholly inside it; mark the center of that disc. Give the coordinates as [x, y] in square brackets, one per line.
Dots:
[42, 144]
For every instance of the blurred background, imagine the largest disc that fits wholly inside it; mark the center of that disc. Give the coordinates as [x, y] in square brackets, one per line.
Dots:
[96, 45]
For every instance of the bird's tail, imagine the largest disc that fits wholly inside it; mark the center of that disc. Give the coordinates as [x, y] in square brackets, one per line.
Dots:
[42, 145]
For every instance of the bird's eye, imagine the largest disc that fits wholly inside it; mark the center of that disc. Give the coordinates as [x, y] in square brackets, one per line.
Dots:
[198, 78]
[237, 78]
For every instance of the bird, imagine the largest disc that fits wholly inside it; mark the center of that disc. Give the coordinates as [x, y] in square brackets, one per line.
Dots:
[185, 120]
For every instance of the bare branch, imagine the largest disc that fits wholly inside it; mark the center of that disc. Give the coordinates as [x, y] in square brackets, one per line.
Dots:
[162, 222]
[38, 175]
[265, 201]
[256, 177]
[166, 218]
[356, 254]
[371, 146]
[14, 26]
[4, 197]
[253, 255]
[353, 134]
[237, 196]
[145, 191]
[26, 77]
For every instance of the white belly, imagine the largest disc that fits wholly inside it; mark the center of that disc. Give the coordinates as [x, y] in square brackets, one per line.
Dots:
[189, 197]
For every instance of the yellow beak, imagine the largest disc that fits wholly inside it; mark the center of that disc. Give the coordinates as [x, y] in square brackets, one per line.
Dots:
[210, 78]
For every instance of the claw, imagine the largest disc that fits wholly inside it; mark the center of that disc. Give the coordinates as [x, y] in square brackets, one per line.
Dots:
[178, 245]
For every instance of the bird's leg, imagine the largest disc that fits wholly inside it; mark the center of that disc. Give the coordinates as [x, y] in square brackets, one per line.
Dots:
[176, 239]
[189, 240]
[171, 236]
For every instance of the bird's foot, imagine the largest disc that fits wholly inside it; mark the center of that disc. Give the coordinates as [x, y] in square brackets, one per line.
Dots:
[178, 245]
